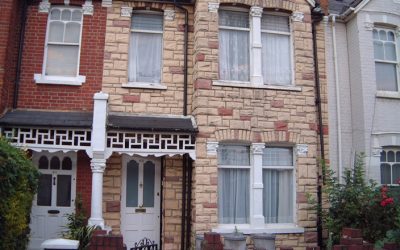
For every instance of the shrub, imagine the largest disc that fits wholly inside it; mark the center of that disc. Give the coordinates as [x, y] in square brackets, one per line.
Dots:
[18, 184]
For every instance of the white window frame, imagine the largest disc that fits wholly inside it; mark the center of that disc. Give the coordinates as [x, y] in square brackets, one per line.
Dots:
[148, 85]
[255, 63]
[387, 149]
[387, 93]
[63, 80]
[257, 223]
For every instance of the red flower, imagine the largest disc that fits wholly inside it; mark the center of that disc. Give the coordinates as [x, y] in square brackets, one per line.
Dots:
[386, 202]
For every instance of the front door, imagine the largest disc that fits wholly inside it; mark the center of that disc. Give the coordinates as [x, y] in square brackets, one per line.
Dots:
[55, 197]
[140, 217]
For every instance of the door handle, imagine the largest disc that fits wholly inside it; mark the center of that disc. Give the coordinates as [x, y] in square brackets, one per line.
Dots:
[53, 211]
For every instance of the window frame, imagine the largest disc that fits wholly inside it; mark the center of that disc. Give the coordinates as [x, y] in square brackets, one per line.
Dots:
[60, 79]
[395, 151]
[396, 42]
[141, 84]
[256, 162]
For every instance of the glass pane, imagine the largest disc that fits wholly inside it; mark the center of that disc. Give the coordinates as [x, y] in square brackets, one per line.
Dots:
[147, 22]
[385, 173]
[378, 50]
[386, 76]
[62, 60]
[55, 14]
[390, 36]
[390, 51]
[145, 57]
[63, 190]
[277, 156]
[278, 196]
[56, 31]
[234, 155]
[276, 63]
[67, 163]
[383, 156]
[148, 184]
[233, 196]
[396, 174]
[72, 32]
[66, 15]
[44, 190]
[132, 183]
[275, 23]
[77, 15]
[43, 163]
[390, 155]
[398, 156]
[233, 19]
[382, 35]
[234, 55]
[375, 35]
[55, 163]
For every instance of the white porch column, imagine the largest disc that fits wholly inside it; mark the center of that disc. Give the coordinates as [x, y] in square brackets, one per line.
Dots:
[98, 162]
[256, 62]
[257, 220]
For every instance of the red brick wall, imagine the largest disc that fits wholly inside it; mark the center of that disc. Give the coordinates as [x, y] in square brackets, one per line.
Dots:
[62, 97]
[84, 180]
[9, 37]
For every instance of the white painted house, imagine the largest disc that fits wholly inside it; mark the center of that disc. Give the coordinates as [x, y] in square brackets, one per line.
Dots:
[363, 55]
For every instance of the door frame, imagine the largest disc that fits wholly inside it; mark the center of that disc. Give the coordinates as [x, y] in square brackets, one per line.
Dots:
[158, 164]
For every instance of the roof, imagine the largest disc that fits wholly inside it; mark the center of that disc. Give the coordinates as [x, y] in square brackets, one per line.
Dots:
[340, 6]
[31, 118]
[152, 123]
[47, 119]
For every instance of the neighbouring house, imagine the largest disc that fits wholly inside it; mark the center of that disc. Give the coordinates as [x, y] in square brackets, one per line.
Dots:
[362, 56]
[170, 118]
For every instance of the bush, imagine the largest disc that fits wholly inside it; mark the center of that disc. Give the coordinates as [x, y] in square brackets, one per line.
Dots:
[18, 185]
[358, 204]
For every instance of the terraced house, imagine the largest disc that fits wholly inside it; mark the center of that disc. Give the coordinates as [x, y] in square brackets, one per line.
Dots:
[170, 118]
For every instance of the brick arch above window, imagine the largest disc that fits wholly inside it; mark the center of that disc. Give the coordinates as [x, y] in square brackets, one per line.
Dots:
[244, 135]
[234, 135]
[281, 136]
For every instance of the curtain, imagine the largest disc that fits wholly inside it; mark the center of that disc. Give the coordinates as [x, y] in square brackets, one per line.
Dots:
[233, 196]
[276, 65]
[278, 196]
[145, 55]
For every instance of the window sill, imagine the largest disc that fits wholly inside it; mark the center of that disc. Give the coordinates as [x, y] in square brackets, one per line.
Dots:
[388, 94]
[239, 84]
[59, 80]
[144, 85]
[270, 229]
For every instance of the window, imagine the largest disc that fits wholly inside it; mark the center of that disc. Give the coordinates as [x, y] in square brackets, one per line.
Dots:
[278, 185]
[234, 45]
[276, 52]
[255, 48]
[390, 166]
[236, 186]
[63, 40]
[233, 184]
[386, 60]
[145, 48]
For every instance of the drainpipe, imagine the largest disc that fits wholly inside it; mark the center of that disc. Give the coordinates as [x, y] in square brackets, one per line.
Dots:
[20, 48]
[317, 16]
[338, 113]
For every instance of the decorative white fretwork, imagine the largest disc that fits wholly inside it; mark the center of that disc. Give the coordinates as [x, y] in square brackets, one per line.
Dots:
[144, 143]
[39, 139]
[213, 7]
[257, 148]
[44, 6]
[302, 149]
[212, 148]
[126, 11]
[256, 11]
[87, 8]
[169, 15]
[297, 16]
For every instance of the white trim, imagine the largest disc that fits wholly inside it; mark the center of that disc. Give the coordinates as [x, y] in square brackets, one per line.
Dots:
[213, 7]
[144, 85]
[44, 6]
[87, 8]
[311, 2]
[126, 11]
[360, 6]
[106, 3]
[240, 84]
[388, 94]
[297, 16]
[62, 80]
[169, 15]
[246, 229]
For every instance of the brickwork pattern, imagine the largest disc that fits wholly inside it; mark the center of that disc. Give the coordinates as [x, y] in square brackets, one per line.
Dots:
[84, 180]
[115, 74]
[62, 97]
